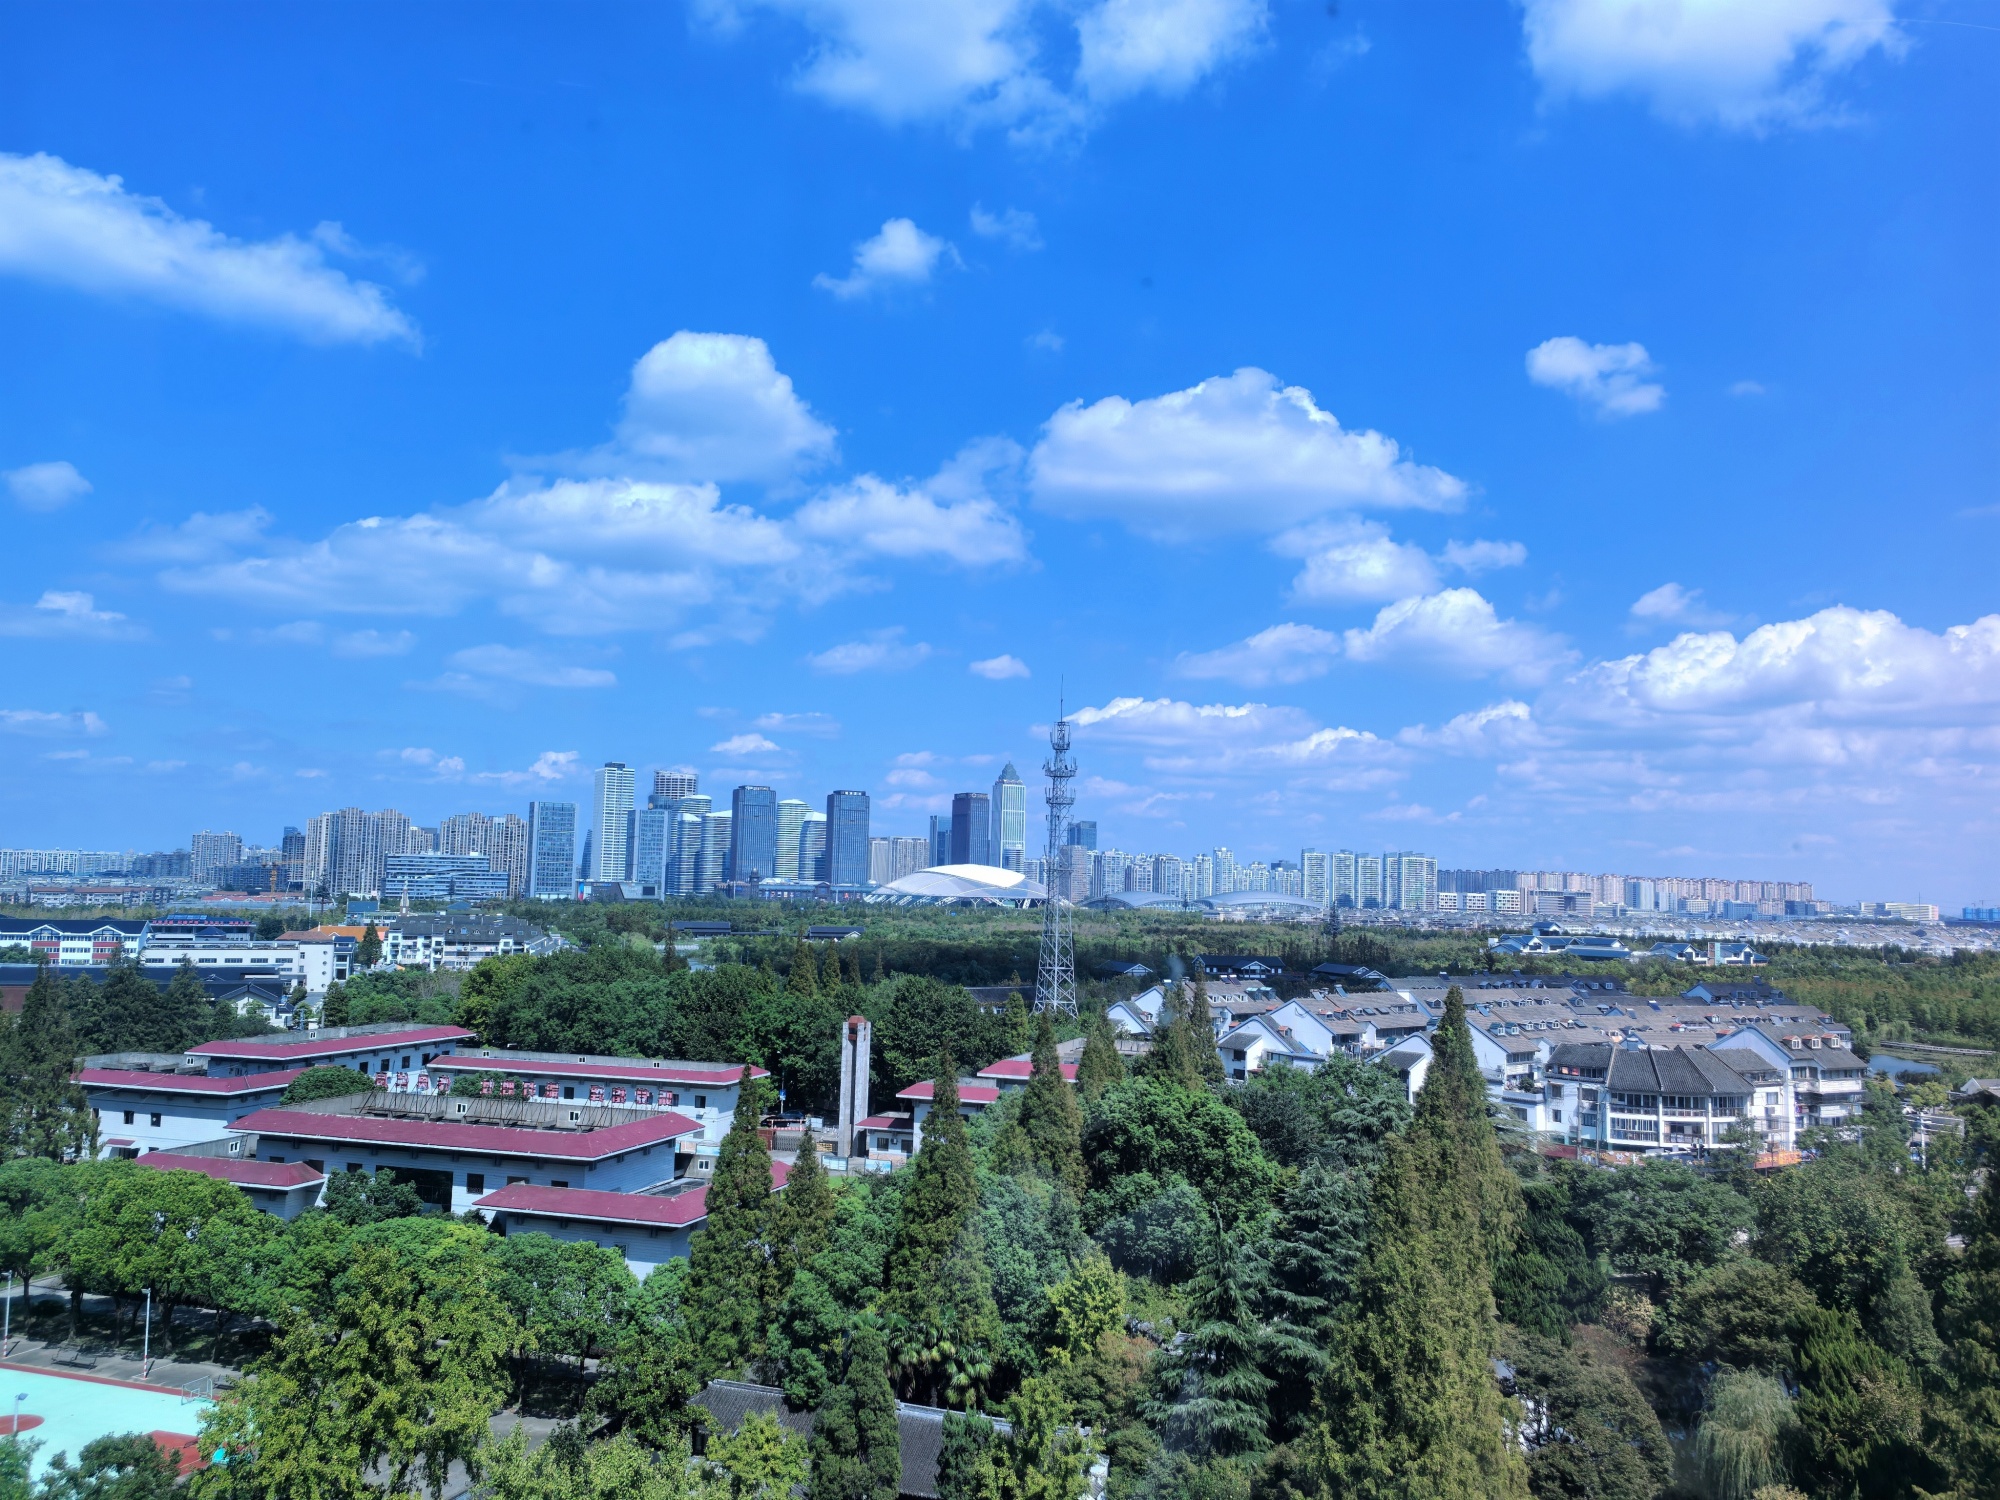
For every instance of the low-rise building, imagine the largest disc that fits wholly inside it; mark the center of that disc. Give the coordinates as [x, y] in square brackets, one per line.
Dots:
[284, 1189]
[75, 942]
[705, 1092]
[458, 940]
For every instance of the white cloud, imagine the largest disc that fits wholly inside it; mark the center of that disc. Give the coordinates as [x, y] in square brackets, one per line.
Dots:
[900, 255]
[999, 668]
[1670, 604]
[1014, 225]
[1457, 630]
[67, 225]
[714, 406]
[1738, 63]
[909, 522]
[1481, 731]
[976, 63]
[1474, 558]
[42, 722]
[423, 758]
[478, 669]
[1205, 740]
[1354, 562]
[881, 651]
[1047, 340]
[1236, 452]
[550, 767]
[823, 726]
[910, 777]
[1608, 378]
[1283, 653]
[1747, 388]
[62, 612]
[365, 644]
[48, 486]
[745, 744]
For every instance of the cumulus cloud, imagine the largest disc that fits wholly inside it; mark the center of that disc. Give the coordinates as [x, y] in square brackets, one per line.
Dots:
[62, 612]
[714, 406]
[1474, 558]
[75, 228]
[908, 521]
[1016, 226]
[999, 668]
[1236, 452]
[880, 651]
[365, 644]
[37, 721]
[423, 758]
[1670, 604]
[1179, 738]
[1743, 66]
[1610, 379]
[900, 255]
[745, 744]
[977, 63]
[1481, 731]
[823, 726]
[1354, 562]
[550, 767]
[483, 671]
[1283, 653]
[1458, 630]
[48, 486]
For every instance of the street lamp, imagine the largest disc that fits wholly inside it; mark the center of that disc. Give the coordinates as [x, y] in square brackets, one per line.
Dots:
[146, 1347]
[7, 1318]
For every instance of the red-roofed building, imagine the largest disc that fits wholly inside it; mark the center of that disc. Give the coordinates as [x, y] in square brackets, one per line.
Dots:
[706, 1092]
[392, 1047]
[647, 1229]
[286, 1189]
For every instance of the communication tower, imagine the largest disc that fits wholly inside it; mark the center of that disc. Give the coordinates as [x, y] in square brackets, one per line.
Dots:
[1055, 974]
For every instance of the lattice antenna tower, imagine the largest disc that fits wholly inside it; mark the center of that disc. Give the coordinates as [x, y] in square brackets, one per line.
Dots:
[1055, 974]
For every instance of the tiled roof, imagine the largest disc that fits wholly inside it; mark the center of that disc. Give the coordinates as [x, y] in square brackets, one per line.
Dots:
[263, 1174]
[659, 1210]
[451, 1135]
[1673, 1070]
[968, 1093]
[252, 1051]
[882, 1122]
[1011, 1068]
[919, 1429]
[186, 1083]
[635, 1070]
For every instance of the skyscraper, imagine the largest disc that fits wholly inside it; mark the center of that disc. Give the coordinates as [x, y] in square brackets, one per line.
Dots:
[463, 833]
[753, 846]
[1317, 868]
[1342, 879]
[649, 841]
[1082, 833]
[812, 847]
[712, 862]
[940, 838]
[971, 829]
[1368, 880]
[791, 818]
[1010, 819]
[671, 786]
[609, 851]
[507, 851]
[685, 860]
[293, 849]
[847, 838]
[551, 850]
[212, 853]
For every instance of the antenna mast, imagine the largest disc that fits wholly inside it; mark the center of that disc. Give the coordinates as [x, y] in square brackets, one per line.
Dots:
[1055, 975]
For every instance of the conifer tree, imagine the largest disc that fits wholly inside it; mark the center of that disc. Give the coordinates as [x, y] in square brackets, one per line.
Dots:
[126, 1013]
[1100, 1066]
[333, 1009]
[1971, 1323]
[801, 1218]
[368, 952]
[853, 966]
[1049, 1119]
[829, 968]
[1199, 1023]
[1213, 1396]
[1017, 1027]
[187, 1005]
[46, 1113]
[856, 1448]
[1171, 1059]
[804, 978]
[1411, 1406]
[731, 1281]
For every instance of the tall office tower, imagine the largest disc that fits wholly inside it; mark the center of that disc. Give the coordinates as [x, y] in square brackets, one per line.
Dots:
[322, 851]
[753, 848]
[358, 854]
[649, 847]
[1204, 876]
[712, 863]
[292, 850]
[881, 861]
[551, 851]
[940, 838]
[686, 860]
[671, 786]
[1225, 870]
[1368, 880]
[1340, 880]
[609, 851]
[507, 851]
[911, 856]
[392, 834]
[791, 818]
[847, 838]
[1314, 868]
[1167, 875]
[1010, 819]
[1083, 833]
[212, 853]
[971, 828]
[463, 833]
[812, 847]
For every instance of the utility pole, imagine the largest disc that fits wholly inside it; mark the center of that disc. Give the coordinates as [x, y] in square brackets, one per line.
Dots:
[146, 1347]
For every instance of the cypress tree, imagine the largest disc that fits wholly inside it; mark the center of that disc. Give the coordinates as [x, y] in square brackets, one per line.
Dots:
[856, 1449]
[368, 952]
[128, 1014]
[731, 1281]
[853, 966]
[829, 968]
[1213, 1395]
[1171, 1059]
[1017, 1027]
[1049, 1119]
[46, 1114]
[333, 1009]
[1200, 1026]
[943, 1193]
[1412, 1407]
[801, 1218]
[188, 1005]
[1100, 1066]
[1970, 1417]
[804, 978]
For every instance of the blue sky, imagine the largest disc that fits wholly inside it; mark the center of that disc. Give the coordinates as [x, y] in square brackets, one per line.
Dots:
[1545, 434]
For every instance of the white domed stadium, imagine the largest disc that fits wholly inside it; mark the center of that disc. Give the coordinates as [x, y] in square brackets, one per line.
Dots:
[961, 885]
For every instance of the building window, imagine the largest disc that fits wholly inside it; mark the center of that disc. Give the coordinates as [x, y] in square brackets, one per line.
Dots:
[569, 1091]
[557, 1182]
[475, 1182]
[512, 1180]
[130, 1117]
[154, 1120]
[701, 1101]
[1556, 1115]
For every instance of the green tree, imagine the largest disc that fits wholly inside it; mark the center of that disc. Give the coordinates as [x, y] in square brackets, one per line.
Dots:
[356, 1198]
[187, 1009]
[1969, 1415]
[1017, 1026]
[1212, 1393]
[923, 1020]
[761, 1460]
[1145, 1132]
[1084, 1307]
[1592, 1433]
[1312, 1259]
[1548, 1279]
[801, 1218]
[567, 1295]
[567, 1468]
[1049, 1121]
[368, 952]
[732, 1283]
[942, 1195]
[128, 1014]
[1662, 1219]
[806, 1337]
[1412, 1409]
[1747, 1428]
[803, 981]
[333, 1009]
[647, 1387]
[1858, 1411]
[325, 1083]
[125, 1466]
[1100, 1066]
[46, 1112]
[1739, 1314]
[1199, 1024]
[856, 1449]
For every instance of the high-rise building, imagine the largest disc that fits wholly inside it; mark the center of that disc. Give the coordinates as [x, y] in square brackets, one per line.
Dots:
[712, 862]
[971, 829]
[1315, 869]
[684, 868]
[1341, 879]
[847, 838]
[791, 818]
[322, 849]
[671, 786]
[881, 861]
[911, 855]
[1409, 882]
[649, 835]
[1368, 880]
[1204, 876]
[1168, 875]
[1225, 870]
[463, 833]
[551, 850]
[507, 851]
[1082, 833]
[212, 853]
[753, 849]
[1010, 819]
[609, 851]
[940, 838]
[292, 850]
[812, 847]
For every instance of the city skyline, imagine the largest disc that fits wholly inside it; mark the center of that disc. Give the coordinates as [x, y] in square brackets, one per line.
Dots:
[1445, 426]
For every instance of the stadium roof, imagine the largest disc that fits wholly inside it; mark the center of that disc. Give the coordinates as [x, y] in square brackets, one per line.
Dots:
[961, 885]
